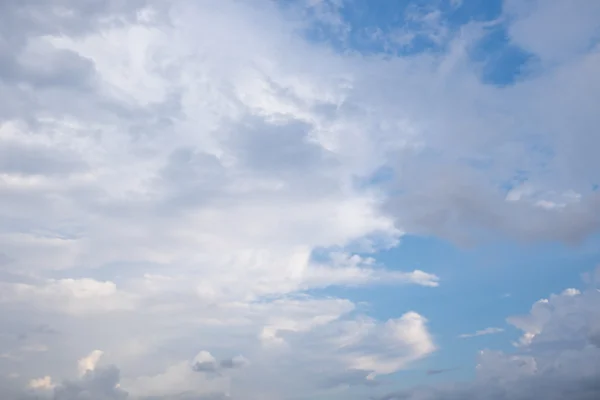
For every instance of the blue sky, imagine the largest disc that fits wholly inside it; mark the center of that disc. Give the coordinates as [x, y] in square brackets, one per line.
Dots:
[299, 199]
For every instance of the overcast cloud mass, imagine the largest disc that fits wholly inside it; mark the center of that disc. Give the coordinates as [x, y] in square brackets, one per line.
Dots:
[202, 199]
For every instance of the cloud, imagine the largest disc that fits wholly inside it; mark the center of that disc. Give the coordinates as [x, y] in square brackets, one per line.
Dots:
[486, 331]
[44, 383]
[558, 356]
[403, 340]
[577, 27]
[366, 345]
[544, 323]
[182, 176]
[74, 296]
[205, 362]
[97, 384]
[182, 379]
[89, 362]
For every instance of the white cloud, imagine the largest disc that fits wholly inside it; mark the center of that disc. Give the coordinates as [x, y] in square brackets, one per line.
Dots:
[74, 296]
[401, 341]
[44, 383]
[88, 363]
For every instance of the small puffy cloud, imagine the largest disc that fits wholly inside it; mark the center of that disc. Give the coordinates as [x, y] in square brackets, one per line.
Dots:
[205, 362]
[89, 362]
[44, 383]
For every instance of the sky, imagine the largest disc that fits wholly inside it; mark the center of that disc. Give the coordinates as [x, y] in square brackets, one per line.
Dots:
[299, 199]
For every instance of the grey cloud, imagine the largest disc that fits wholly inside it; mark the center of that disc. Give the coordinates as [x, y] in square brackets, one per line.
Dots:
[206, 366]
[279, 149]
[34, 75]
[44, 329]
[547, 386]
[33, 160]
[10, 389]
[191, 178]
[233, 363]
[59, 68]
[461, 207]
[21, 20]
[216, 367]
[60, 16]
[595, 339]
[99, 384]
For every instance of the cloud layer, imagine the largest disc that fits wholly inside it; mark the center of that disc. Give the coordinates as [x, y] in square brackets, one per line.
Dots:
[184, 185]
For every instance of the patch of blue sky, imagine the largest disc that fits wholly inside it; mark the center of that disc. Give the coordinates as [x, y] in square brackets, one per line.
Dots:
[409, 27]
[500, 61]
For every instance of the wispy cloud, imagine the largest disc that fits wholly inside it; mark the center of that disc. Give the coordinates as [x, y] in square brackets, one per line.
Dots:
[482, 332]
